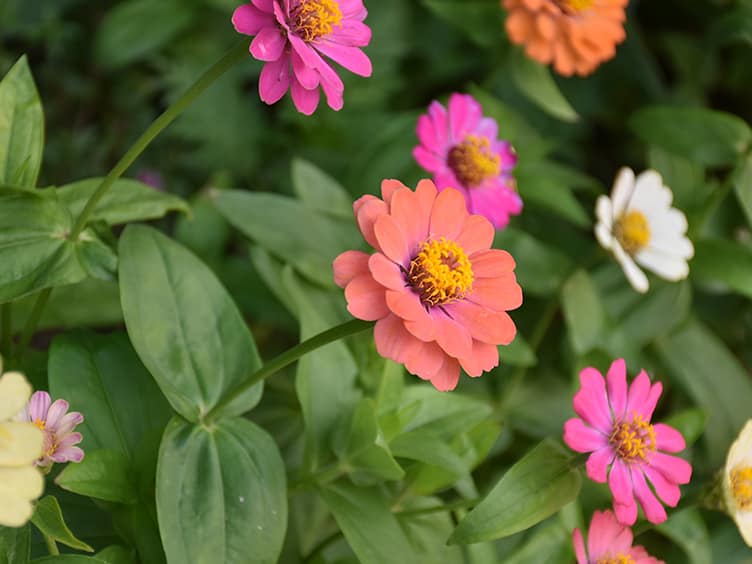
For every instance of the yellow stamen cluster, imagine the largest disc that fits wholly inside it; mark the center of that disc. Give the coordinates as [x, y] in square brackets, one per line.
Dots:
[441, 272]
[473, 161]
[741, 486]
[39, 424]
[312, 19]
[618, 559]
[633, 440]
[576, 5]
[632, 231]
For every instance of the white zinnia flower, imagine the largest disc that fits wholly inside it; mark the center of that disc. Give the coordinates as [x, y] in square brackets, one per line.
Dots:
[638, 225]
[737, 482]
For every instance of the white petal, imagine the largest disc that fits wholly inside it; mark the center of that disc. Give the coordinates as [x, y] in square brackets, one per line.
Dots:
[604, 236]
[744, 522]
[668, 266]
[14, 393]
[650, 193]
[604, 212]
[676, 245]
[621, 193]
[20, 486]
[636, 277]
[740, 452]
[20, 443]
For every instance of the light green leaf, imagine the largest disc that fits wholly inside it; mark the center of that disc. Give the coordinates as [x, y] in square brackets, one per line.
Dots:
[427, 447]
[221, 493]
[743, 186]
[103, 474]
[186, 329]
[724, 263]
[126, 201]
[15, 544]
[583, 312]
[319, 191]
[68, 559]
[550, 543]
[546, 192]
[708, 137]
[658, 312]
[538, 485]
[517, 353]
[687, 529]
[427, 532]
[689, 422]
[116, 554]
[48, 518]
[21, 128]
[479, 19]
[536, 82]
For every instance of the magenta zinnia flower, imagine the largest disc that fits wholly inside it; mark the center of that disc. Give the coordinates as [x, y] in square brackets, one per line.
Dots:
[461, 149]
[609, 542]
[292, 36]
[53, 418]
[626, 447]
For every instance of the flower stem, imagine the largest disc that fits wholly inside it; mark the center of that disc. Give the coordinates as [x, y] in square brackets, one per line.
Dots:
[461, 504]
[288, 357]
[6, 329]
[31, 323]
[209, 77]
[51, 545]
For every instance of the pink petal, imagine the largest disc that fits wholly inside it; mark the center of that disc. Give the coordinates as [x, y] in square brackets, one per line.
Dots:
[306, 101]
[307, 76]
[55, 414]
[448, 214]
[393, 341]
[500, 294]
[39, 405]
[392, 240]
[487, 127]
[617, 388]
[673, 468]
[429, 136]
[447, 376]
[268, 45]
[440, 119]
[620, 484]
[579, 547]
[68, 454]
[638, 393]
[464, 115]
[428, 159]
[668, 491]
[648, 406]
[591, 401]
[406, 304]
[352, 58]
[581, 438]
[452, 337]
[249, 20]
[365, 298]
[369, 210]
[495, 201]
[424, 328]
[493, 327]
[352, 33]
[406, 211]
[597, 464]
[69, 422]
[385, 272]
[492, 263]
[332, 86]
[389, 187]
[264, 5]
[274, 80]
[476, 235]
[482, 358]
[606, 535]
[668, 439]
[426, 361]
[654, 511]
[348, 265]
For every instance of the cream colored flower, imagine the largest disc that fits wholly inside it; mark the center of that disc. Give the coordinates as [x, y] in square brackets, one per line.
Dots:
[639, 226]
[737, 482]
[20, 446]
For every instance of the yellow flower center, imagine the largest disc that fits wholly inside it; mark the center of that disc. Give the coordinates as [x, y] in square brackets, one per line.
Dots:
[313, 18]
[632, 231]
[633, 440]
[576, 5]
[39, 424]
[618, 559]
[741, 486]
[440, 273]
[472, 161]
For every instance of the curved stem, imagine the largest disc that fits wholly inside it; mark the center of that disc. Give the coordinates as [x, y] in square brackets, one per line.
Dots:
[290, 356]
[31, 323]
[209, 77]
[51, 545]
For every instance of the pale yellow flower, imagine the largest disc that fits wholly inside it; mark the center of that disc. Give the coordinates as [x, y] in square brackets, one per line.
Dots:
[737, 482]
[20, 445]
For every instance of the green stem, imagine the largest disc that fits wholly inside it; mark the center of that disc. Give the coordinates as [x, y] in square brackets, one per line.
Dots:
[6, 329]
[290, 356]
[51, 545]
[210, 76]
[716, 199]
[31, 323]
[461, 504]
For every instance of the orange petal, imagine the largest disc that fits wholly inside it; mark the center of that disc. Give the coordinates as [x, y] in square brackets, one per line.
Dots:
[365, 298]
[348, 265]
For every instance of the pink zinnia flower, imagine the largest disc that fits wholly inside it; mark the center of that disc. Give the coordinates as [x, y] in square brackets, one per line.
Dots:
[626, 447]
[292, 36]
[461, 149]
[437, 291]
[609, 542]
[59, 438]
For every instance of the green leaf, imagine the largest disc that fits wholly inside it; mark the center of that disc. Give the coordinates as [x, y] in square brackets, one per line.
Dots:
[427, 447]
[103, 474]
[687, 529]
[708, 137]
[734, 25]
[689, 422]
[116, 554]
[700, 363]
[135, 28]
[221, 493]
[68, 559]
[551, 543]
[126, 201]
[21, 128]
[583, 312]
[743, 186]
[427, 532]
[186, 329]
[48, 518]
[536, 82]
[517, 353]
[724, 264]
[538, 485]
[540, 189]
[658, 312]
[15, 544]
[479, 19]
[319, 191]
[365, 518]
[310, 248]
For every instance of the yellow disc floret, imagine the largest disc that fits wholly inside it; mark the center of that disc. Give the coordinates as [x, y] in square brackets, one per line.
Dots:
[312, 19]
[441, 272]
[40, 424]
[632, 230]
[473, 161]
[634, 439]
[618, 559]
[741, 486]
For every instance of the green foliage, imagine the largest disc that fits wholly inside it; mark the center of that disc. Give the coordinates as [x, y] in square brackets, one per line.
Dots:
[48, 518]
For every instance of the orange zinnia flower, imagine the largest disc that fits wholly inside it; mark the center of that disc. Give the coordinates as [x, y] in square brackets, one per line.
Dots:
[576, 35]
[437, 291]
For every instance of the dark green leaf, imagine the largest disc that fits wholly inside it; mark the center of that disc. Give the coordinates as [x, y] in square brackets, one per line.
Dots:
[583, 312]
[734, 25]
[319, 191]
[517, 353]
[690, 423]
[14, 545]
[103, 474]
[48, 518]
[116, 554]
[658, 313]
[687, 529]
[221, 493]
[743, 186]
[69, 559]
[479, 19]
[186, 329]
[724, 264]
[540, 189]
[537, 486]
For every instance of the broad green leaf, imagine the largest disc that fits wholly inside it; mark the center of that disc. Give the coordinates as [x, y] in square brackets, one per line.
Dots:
[543, 191]
[539, 406]
[658, 312]
[551, 543]
[125, 201]
[365, 518]
[734, 25]
[186, 329]
[536, 82]
[708, 137]
[583, 312]
[319, 191]
[700, 363]
[683, 175]
[445, 415]
[687, 529]
[116, 554]
[689, 422]
[724, 263]
[103, 474]
[479, 19]
[68, 559]
[14, 545]
[221, 493]
[21, 128]
[135, 28]
[48, 518]
[427, 532]
[538, 485]
[743, 185]
[139, 523]
[427, 447]
[517, 353]
[310, 248]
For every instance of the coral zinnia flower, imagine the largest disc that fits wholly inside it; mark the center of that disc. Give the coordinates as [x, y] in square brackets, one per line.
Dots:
[737, 482]
[638, 225]
[292, 36]
[626, 447]
[462, 150]
[437, 291]
[59, 438]
[609, 542]
[576, 35]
